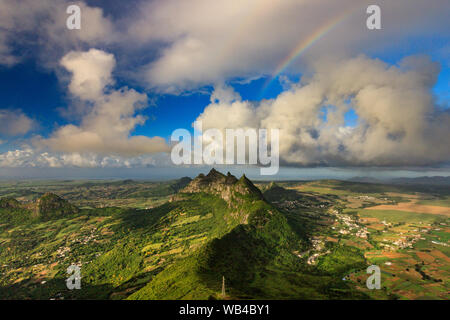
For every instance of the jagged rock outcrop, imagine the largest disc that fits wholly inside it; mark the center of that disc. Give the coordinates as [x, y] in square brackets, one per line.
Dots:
[228, 187]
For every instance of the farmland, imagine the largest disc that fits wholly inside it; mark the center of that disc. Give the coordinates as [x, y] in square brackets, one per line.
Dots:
[405, 233]
[175, 239]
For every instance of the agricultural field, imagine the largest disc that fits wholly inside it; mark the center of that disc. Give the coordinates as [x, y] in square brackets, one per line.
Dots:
[176, 239]
[96, 193]
[407, 234]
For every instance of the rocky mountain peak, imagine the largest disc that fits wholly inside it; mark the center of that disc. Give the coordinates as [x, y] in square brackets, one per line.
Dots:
[225, 186]
[214, 174]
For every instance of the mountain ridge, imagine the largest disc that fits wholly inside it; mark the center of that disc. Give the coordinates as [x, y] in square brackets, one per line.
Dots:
[254, 234]
[228, 187]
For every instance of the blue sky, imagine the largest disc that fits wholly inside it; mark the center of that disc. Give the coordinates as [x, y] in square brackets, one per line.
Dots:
[177, 61]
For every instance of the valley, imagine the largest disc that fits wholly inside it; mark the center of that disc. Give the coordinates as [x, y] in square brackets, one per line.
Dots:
[269, 240]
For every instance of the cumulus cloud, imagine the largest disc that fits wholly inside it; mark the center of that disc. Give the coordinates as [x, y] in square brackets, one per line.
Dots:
[106, 128]
[91, 72]
[398, 123]
[208, 41]
[192, 43]
[15, 123]
[176, 45]
[27, 157]
[42, 24]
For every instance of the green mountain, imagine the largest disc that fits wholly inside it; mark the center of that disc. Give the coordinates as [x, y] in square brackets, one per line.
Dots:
[215, 226]
[250, 235]
[9, 203]
[250, 243]
[51, 206]
[228, 187]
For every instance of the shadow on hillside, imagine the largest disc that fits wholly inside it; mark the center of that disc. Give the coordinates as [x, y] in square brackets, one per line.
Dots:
[137, 219]
[54, 289]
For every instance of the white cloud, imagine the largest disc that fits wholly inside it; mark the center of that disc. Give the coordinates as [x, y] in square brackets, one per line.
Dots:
[91, 72]
[6, 56]
[397, 120]
[210, 41]
[15, 123]
[30, 157]
[106, 128]
[200, 42]
[224, 93]
[42, 24]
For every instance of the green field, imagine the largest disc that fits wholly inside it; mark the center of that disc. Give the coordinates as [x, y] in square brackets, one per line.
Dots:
[397, 216]
[436, 202]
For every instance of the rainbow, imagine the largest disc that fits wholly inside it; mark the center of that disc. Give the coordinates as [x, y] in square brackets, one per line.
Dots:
[304, 45]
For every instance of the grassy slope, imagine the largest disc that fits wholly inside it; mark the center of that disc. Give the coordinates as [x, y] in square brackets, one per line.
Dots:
[182, 249]
[256, 260]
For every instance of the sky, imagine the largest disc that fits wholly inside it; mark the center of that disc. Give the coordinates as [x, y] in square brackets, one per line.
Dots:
[103, 101]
